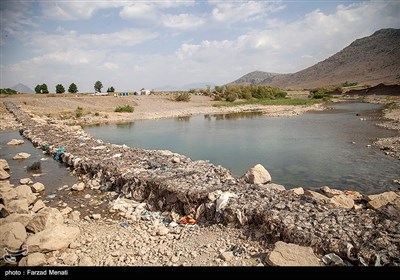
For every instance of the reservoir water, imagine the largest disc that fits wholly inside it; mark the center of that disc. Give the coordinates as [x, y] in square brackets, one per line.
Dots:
[310, 150]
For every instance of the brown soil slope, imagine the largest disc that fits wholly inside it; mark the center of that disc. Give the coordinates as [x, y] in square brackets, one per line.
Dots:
[369, 60]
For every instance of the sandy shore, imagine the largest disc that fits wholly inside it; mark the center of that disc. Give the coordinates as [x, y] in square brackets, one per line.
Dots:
[100, 109]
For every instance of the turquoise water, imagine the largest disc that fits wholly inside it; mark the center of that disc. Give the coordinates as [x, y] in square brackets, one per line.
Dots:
[310, 150]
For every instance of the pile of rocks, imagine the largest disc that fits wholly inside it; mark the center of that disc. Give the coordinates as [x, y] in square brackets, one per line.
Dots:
[174, 183]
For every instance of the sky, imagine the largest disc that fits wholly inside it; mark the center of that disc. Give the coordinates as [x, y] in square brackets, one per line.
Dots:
[153, 44]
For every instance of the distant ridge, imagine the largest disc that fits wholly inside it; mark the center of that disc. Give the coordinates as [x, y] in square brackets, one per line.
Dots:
[370, 60]
[21, 88]
[256, 77]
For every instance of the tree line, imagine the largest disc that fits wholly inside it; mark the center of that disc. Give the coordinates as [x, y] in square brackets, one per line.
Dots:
[71, 89]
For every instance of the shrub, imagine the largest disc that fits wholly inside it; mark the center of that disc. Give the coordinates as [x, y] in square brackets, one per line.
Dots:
[124, 108]
[7, 91]
[97, 114]
[78, 112]
[231, 97]
[184, 96]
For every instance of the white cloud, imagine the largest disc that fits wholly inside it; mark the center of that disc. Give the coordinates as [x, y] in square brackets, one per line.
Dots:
[75, 9]
[231, 12]
[110, 66]
[125, 38]
[182, 21]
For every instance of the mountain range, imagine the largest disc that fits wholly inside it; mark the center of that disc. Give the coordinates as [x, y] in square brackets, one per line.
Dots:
[370, 60]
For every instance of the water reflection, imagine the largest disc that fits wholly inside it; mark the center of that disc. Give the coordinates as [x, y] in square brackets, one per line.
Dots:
[234, 116]
[127, 125]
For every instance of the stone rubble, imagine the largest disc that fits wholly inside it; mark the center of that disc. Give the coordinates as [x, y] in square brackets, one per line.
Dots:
[193, 188]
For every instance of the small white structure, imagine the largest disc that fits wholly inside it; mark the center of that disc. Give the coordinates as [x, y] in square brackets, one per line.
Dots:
[144, 91]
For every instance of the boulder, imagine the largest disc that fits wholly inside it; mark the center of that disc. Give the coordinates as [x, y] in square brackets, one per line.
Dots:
[26, 181]
[298, 190]
[316, 196]
[21, 156]
[19, 206]
[24, 191]
[39, 204]
[78, 187]
[44, 219]
[15, 217]
[4, 174]
[51, 239]
[15, 142]
[38, 187]
[227, 256]
[7, 194]
[330, 192]
[12, 236]
[287, 254]
[342, 201]
[96, 216]
[75, 215]
[4, 164]
[176, 160]
[376, 201]
[257, 175]
[35, 259]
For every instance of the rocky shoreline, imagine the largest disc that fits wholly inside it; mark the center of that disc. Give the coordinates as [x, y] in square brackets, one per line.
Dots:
[174, 186]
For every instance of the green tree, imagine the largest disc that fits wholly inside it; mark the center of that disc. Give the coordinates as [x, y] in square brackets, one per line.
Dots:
[38, 89]
[111, 89]
[44, 88]
[73, 88]
[98, 86]
[60, 88]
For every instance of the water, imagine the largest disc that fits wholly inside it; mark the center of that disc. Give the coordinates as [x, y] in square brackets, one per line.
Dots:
[310, 150]
[54, 174]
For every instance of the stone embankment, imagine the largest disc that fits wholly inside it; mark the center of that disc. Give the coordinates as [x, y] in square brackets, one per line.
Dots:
[210, 194]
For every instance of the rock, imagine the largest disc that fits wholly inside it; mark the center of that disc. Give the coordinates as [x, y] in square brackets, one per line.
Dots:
[342, 201]
[21, 156]
[78, 187]
[272, 186]
[333, 260]
[15, 142]
[176, 160]
[227, 256]
[392, 209]
[46, 218]
[51, 239]
[19, 206]
[4, 174]
[4, 164]
[69, 259]
[38, 187]
[26, 181]
[96, 216]
[75, 215]
[39, 204]
[15, 217]
[162, 231]
[376, 201]
[257, 175]
[7, 194]
[287, 254]
[24, 191]
[85, 261]
[298, 191]
[12, 236]
[316, 196]
[87, 196]
[35, 259]
[330, 192]
[65, 211]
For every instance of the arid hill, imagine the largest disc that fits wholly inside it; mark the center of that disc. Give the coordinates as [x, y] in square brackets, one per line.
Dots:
[370, 60]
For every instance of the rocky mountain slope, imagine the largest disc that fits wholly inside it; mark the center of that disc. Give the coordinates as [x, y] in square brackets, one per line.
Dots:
[369, 60]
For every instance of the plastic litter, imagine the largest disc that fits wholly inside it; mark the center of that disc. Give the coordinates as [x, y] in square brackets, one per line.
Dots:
[124, 224]
[187, 220]
[223, 200]
[333, 259]
[50, 196]
[355, 195]
[59, 152]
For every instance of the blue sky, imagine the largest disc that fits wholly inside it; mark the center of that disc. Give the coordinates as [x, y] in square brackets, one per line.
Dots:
[152, 44]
